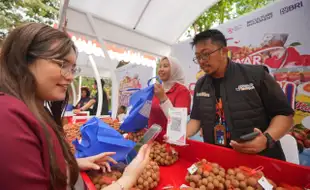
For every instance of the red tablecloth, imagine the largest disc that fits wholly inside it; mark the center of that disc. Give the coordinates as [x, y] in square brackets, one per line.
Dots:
[278, 171]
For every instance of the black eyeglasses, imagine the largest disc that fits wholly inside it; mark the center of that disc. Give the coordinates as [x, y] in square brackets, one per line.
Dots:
[66, 68]
[204, 56]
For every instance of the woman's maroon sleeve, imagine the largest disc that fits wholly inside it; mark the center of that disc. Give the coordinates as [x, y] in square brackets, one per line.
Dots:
[21, 164]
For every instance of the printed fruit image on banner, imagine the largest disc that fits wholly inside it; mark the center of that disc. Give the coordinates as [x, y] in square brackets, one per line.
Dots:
[277, 37]
[128, 85]
[191, 86]
[200, 74]
[301, 130]
[291, 69]
[289, 88]
[298, 94]
[272, 52]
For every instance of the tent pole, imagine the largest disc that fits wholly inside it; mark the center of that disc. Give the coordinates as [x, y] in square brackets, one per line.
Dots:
[92, 24]
[73, 93]
[141, 15]
[63, 13]
[114, 99]
[99, 86]
[79, 95]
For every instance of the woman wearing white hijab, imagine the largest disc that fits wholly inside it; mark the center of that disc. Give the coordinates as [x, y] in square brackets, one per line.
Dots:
[171, 93]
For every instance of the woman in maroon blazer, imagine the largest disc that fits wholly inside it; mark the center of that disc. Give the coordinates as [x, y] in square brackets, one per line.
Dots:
[37, 64]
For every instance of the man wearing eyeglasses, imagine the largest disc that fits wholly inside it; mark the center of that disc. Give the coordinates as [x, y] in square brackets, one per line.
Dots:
[233, 100]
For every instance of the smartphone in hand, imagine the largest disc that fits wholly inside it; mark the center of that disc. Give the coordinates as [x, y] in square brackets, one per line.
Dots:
[149, 136]
[248, 137]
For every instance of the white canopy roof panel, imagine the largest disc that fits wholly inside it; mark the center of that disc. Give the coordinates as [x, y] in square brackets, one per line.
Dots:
[150, 26]
[103, 67]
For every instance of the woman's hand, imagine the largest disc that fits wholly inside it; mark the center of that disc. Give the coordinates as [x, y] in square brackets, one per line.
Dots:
[159, 92]
[137, 165]
[76, 111]
[97, 162]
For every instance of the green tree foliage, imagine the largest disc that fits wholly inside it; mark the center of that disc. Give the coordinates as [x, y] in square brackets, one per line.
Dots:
[225, 10]
[15, 12]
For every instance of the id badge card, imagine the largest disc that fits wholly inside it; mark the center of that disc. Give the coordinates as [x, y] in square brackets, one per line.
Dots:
[220, 135]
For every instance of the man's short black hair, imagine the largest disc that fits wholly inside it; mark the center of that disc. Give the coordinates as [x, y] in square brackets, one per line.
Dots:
[214, 35]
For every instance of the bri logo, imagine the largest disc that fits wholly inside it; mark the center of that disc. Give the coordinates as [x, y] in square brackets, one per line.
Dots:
[244, 87]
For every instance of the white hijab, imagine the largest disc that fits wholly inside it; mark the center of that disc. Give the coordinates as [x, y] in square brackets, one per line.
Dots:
[176, 75]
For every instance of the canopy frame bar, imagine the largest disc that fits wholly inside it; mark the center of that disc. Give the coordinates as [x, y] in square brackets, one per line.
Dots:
[63, 13]
[95, 68]
[141, 15]
[120, 26]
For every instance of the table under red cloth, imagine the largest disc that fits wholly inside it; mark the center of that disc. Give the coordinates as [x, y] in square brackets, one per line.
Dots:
[276, 170]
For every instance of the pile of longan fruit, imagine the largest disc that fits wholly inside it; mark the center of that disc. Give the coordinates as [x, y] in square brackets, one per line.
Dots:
[116, 125]
[163, 154]
[72, 132]
[211, 176]
[136, 136]
[108, 120]
[207, 176]
[102, 180]
[241, 179]
[149, 179]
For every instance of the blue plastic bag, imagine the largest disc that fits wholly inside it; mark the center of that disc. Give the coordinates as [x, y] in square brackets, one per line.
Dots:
[69, 107]
[99, 137]
[140, 104]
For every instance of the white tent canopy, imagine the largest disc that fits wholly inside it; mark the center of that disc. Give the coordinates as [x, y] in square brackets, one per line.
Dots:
[87, 71]
[146, 26]
[150, 26]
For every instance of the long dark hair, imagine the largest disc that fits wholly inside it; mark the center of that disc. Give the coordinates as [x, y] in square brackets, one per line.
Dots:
[23, 46]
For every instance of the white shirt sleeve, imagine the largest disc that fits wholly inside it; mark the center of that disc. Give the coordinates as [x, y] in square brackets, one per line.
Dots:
[165, 107]
[121, 117]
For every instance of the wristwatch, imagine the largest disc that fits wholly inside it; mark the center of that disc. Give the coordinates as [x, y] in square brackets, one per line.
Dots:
[270, 141]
